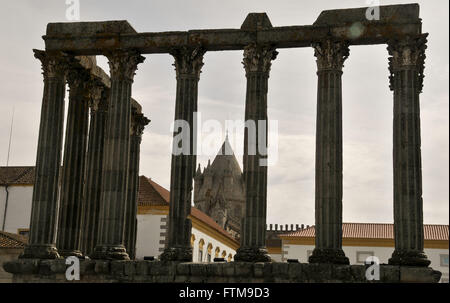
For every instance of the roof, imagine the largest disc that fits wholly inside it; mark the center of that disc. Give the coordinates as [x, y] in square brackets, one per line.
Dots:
[151, 193]
[9, 240]
[17, 175]
[375, 231]
[225, 161]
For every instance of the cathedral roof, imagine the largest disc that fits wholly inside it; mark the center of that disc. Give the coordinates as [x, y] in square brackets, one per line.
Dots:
[225, 161]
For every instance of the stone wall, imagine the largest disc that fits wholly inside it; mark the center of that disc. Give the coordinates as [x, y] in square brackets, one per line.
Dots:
[100, 271]
[6, 255]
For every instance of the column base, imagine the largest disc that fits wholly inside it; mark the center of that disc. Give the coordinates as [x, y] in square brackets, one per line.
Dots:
[409, 258]
[110, 252]
[40, 251]
[70, 252]
[182, 254]
[252, 254]
[328, 255]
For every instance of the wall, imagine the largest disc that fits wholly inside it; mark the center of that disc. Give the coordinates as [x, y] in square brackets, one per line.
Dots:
[150, 235]
[19, 207]
[199, 235]
[301, 252]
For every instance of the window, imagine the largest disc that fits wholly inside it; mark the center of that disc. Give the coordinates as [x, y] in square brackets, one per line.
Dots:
[361, 256]
[444, 260]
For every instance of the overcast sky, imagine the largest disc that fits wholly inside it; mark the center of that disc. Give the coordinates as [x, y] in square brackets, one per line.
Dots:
[367, 100]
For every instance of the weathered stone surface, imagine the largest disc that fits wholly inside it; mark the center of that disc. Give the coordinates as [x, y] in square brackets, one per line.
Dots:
[31, 270]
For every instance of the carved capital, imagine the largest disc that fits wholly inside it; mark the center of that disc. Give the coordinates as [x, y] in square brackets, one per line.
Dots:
[408, 53]
[53, 65]
[79, 81]
[123, 64]
[96, 95]
[258, 58]
[188, 61]
[330, 55]
[138, 123]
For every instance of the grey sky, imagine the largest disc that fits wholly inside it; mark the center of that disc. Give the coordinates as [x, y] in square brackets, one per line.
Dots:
[367, 101]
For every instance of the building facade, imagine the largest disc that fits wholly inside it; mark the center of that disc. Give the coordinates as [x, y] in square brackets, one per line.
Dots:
[362, 240]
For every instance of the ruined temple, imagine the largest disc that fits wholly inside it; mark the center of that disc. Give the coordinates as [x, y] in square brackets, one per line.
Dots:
[219, 190]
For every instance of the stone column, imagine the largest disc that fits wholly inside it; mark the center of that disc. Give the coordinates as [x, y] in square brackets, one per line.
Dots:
[41, 243]
[328, 213]
[138, 122]
[406, 66]
[69, 219]
[94, 164]
[123, 65]
[188, 63]
[257, 63]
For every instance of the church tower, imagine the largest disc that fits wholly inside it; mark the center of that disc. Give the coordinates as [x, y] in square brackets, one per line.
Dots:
[219, 190]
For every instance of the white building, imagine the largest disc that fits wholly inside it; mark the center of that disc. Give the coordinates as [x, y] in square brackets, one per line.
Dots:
[361, 240]
[209, 240]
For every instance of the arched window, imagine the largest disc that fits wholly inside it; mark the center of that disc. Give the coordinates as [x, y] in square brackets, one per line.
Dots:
[224, 254]
[209, 252]
[192, 240]
[217, 252]
[201, 243]
[230, 257]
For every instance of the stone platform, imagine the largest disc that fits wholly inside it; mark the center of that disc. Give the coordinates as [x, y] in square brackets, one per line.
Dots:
[102, 271]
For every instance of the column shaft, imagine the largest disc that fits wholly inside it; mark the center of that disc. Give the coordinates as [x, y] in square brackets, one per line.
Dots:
[115, 157]
[328, 187]
[41, 243]
[188, 63]
[138, 122]
[94, 164]
[257, 62]
[69, 219]
[406, 67]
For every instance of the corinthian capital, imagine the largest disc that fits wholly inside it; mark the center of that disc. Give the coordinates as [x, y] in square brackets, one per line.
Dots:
[138, 123]
[79, 81]
[123, 64]
[188, 61]
[258, 58]
[53, 65]
[331, 54]
[97, 92]
[407, 53]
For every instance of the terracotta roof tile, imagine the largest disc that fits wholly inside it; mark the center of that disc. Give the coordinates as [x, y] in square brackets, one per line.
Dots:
[17, 175]
[375, 231]
[9, 240]
[151, 193]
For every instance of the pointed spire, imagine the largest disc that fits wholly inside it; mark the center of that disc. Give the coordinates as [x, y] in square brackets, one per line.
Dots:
[199, 171]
